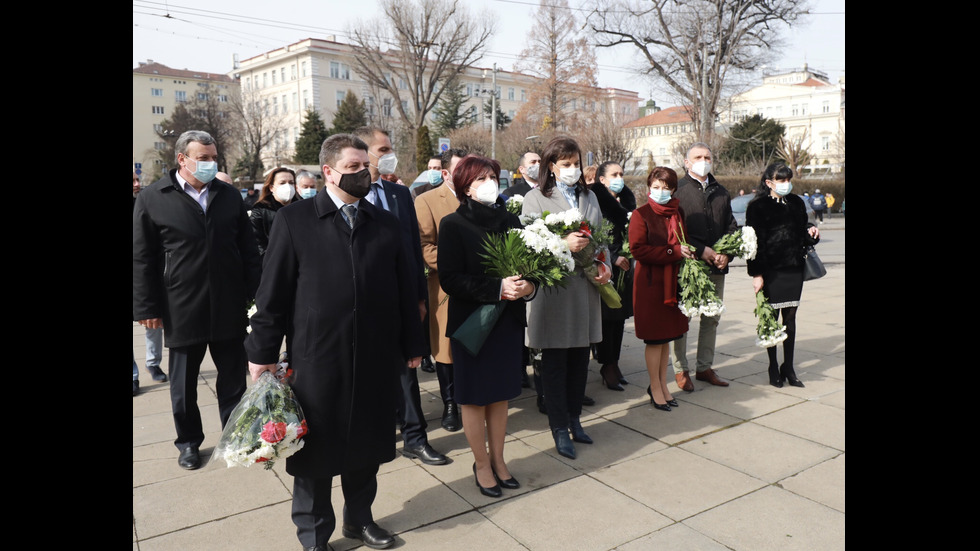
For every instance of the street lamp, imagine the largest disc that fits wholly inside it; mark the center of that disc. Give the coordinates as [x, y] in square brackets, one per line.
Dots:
[493, 112]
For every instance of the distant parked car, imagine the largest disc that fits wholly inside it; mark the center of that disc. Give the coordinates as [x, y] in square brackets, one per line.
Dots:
[740, 202]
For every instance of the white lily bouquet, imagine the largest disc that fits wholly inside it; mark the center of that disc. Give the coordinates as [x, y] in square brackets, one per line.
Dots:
[514, 204]
[769, 331]
[698, 295]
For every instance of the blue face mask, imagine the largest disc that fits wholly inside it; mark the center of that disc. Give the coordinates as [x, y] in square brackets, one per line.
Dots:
[435, 177]
[616, 185]
[660, 196]
[205, 171]
[306, 193]
[783, 188]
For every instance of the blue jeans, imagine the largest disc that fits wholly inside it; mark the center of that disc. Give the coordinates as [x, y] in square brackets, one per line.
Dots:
[136, 371]
[154, 346]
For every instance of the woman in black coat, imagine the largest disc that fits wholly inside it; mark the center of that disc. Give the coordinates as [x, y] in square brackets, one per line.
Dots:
[780, 223]
[278, 191]
[616, 202]
[483, 383]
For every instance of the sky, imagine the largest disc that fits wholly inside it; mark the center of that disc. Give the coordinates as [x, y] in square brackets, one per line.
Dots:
[207, 35]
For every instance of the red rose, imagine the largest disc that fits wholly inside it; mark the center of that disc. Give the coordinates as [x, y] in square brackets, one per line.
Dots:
[273, 432]
[303, 429]
[584, 228]
[261, 459]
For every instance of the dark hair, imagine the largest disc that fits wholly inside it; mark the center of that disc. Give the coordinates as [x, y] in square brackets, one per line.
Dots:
[603, 168]
[775, 171]
[447, 156]
[560, 147]
[439, 157]
[367, 133]
[469, 169]
[332, 147]
[667, 175]
[269, 179]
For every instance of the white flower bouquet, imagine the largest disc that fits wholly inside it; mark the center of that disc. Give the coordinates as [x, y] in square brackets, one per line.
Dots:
[250, 312]
[698, 295]
[742, 243]
[769, 331]
[514, 204]
[267, 424]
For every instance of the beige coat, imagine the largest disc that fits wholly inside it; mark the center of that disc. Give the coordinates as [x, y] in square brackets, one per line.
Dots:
[430, 208]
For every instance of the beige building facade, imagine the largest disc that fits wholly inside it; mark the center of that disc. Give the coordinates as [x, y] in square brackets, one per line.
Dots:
[807, 103]
[157, 90]
[661, 138]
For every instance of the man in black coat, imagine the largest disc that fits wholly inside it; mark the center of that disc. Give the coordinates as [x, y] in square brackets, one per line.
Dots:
[195, 268]
[398, 200]
[341, 288]
[707, 209]
[528, 166]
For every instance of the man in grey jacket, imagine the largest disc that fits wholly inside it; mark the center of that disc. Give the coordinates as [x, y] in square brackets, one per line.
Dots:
[707, 210]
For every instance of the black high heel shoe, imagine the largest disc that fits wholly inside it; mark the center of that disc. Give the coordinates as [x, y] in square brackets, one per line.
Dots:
[578, 433]
[672, 403]
[619, 374]
[788, 374]
[661, 407]
[511, 483]
[775, 379]
[493, 491]
[608, 374]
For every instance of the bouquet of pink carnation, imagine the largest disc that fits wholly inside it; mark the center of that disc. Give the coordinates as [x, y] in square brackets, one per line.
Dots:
[266, 425]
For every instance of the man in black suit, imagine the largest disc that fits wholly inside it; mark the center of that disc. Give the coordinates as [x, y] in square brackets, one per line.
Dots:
[529, 166]
[398, 200]
[195, 267]
[338, 282]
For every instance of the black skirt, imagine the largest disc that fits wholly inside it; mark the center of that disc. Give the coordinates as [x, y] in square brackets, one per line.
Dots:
[783, 287]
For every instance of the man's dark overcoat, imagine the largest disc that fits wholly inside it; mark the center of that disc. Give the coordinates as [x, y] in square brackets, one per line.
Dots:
[347, 302]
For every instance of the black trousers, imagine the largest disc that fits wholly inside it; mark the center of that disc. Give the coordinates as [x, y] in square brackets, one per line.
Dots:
[313, 513]
[607, 351]
[185, 368]
[411, 419]
[563, 374]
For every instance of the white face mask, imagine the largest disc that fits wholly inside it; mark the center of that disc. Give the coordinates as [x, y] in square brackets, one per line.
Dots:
[487, 192]
[569, 176]
[285, 192]
[387, 163]
[532, 171]
[783, 188]
[701, 168]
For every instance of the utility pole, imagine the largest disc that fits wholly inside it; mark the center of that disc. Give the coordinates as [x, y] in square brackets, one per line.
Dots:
[493, 111]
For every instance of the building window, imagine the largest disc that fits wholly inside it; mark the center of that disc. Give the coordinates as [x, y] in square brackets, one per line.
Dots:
[510, 94]
[334, 69]
[159, 146]
[386, 107]
[825, 108]
[803, 110]
[273, 77]
[202, 97]
[285, 108]
[340, 98]
[469, 89]
[275, 104]
[265, 80]
[795, 110]
[157, 109]
[476, 91]
[295, 102]
[402, 85]
[223, 98]
[306, 99]
[248, 83]
[282, 75]
[158, 92]
[302, 66]
[523, 94]
[405, 106]
[180, 96]
[292, 72]
[825, 143]
[511, 114]
[158, 128]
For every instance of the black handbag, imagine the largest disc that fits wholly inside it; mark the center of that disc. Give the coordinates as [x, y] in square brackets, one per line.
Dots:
[813, 268]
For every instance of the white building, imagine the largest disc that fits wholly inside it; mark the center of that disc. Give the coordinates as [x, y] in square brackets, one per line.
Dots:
[661, 139]
[806, 103]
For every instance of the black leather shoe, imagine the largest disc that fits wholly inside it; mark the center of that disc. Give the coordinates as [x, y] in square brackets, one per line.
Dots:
[425, 454]
[511, 483]
[427, 366]
[136, 387]
[563, 443]
[371, 534]
[578, 433]
[672, 403]
[157, 373]
[450, 417]
[325, 547]
[661, 407]
[493, 491]
[190, 459]
[586, 401]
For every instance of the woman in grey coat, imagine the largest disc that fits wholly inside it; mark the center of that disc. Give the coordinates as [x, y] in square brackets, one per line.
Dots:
[563, 322]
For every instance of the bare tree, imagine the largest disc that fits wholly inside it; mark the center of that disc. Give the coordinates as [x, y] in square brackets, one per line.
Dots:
[559, 55]
[606, 137]
[258, 129]
[696, 46]
[795, 151]
[413, 47]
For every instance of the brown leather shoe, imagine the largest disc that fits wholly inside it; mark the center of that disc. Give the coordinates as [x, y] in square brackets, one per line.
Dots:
[684, 381]
[709, 376]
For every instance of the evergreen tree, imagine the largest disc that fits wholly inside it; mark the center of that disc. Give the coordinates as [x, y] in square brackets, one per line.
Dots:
[351, 114]
[449, 112]
[311, 139]
[754, 139]
[502, 119]
[423, 148]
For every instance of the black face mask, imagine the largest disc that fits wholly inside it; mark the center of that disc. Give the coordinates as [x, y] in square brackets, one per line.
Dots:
[356, 184]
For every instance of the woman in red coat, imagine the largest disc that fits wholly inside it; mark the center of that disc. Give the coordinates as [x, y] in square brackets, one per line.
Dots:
[655, 244]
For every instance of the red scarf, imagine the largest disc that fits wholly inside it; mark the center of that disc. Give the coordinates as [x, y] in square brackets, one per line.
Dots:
[672, 219]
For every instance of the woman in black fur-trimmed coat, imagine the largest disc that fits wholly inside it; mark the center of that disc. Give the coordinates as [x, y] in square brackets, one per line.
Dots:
[780, 223]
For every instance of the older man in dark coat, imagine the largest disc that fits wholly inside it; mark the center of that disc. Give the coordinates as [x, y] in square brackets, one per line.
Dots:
[340, 287]
[195, 267]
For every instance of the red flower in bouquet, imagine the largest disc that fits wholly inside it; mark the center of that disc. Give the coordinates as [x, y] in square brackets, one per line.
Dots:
[273, 432]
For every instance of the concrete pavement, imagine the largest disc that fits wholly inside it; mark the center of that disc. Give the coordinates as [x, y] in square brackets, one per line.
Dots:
[748, 468]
